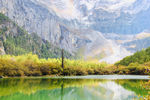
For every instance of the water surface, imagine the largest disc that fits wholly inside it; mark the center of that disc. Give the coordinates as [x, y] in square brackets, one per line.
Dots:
[104, 87]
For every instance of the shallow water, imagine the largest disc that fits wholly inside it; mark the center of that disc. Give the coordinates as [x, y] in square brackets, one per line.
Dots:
[103, 87]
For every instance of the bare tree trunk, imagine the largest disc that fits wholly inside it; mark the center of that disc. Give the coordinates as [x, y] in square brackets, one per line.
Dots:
[62, 52]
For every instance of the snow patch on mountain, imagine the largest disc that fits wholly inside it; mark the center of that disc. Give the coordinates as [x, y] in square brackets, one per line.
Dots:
[70, 9]
[118, 53]
[63, 8]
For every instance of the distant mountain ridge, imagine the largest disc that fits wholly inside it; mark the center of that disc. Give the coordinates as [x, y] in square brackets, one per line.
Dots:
[106, 16]
[93, 29]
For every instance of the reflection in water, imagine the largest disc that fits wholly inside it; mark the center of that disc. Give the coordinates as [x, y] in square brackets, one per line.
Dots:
[70, 89]
[62, 89]
[117, 92]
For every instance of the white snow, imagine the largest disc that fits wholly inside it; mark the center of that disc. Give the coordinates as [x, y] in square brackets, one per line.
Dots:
[118, 53]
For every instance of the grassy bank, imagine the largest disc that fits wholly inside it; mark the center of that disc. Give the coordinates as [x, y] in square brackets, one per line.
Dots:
[31, 65]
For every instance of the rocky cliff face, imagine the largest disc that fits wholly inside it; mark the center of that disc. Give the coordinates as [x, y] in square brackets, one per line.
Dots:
[16, 41]
[37, 19]
[34, 17]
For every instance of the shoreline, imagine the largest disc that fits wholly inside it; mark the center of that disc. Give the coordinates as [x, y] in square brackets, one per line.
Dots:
[113, 76]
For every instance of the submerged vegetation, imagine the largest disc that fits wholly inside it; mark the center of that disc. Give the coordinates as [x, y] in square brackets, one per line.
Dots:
[147, 87]
[31, 65]
[52, 89]
[140, 87]
[32, 85]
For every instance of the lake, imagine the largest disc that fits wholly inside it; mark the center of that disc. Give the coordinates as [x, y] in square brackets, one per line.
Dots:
[102, 87]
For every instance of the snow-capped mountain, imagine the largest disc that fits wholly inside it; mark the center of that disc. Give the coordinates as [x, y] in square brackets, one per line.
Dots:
[107, 30]
[107, 16]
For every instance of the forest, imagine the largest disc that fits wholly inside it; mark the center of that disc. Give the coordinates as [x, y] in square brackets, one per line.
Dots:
[139, 57]
[31, 65]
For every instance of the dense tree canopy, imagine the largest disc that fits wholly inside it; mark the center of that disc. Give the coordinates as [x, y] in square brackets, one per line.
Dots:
[139, 57]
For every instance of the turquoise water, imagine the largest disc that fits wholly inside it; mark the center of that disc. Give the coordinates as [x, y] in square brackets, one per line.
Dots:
[104, 87]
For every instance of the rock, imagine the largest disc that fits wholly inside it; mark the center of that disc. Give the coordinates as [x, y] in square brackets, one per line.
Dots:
[2, 51]
[1, 77]
[37, 19]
